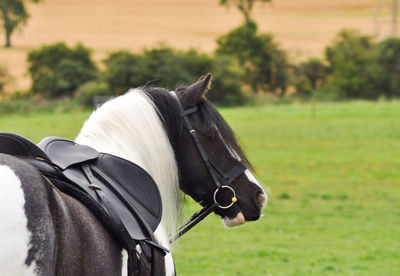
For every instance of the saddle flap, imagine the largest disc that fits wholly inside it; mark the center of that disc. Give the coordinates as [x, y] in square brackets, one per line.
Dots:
[136, 184]
[14, 144]
[81, 191]
[64, 153]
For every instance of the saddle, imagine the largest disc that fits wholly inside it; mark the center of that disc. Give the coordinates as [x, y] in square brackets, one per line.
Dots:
[120, 193]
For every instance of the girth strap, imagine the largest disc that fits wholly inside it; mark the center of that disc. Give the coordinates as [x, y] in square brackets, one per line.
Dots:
[132, 259]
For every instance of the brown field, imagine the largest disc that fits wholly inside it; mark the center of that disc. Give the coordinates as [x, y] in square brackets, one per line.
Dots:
[303, 27]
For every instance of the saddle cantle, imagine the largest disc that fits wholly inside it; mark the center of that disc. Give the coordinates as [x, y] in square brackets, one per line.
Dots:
[120, 193]
[14, 144]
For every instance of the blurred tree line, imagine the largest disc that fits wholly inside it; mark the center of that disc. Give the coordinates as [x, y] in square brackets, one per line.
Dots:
[245, 63]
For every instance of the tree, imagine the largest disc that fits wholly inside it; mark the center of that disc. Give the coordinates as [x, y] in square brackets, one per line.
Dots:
[389, 63]
[125, 70]
[309, 76]
[57, 70]
[265, 65]
[13, 14]
[353, 63]
[226, 88]
[244, 6]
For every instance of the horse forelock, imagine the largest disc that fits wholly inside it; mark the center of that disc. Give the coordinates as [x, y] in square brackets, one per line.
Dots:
[129, 126]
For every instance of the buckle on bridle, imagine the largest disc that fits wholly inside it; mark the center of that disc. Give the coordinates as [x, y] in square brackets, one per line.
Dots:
[234, 198]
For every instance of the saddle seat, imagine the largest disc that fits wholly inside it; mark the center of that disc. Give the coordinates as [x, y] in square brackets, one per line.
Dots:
[120, 193]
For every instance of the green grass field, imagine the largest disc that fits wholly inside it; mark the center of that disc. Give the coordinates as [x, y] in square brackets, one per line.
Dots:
[334, 181]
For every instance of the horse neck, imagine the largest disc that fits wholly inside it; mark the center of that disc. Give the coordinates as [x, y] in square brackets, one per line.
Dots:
[129, 127]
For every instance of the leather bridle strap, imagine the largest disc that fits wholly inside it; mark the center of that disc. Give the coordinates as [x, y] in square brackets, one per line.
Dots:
[213, 168]
[193, 221]
[229, 177]
[193, 133]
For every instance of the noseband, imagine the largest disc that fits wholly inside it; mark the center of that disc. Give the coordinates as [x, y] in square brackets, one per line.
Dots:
[213, 168]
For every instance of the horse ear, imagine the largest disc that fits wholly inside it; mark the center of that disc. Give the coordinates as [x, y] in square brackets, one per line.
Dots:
[195, 93]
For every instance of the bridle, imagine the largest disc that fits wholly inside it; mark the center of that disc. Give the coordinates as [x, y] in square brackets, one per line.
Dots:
[213, 168]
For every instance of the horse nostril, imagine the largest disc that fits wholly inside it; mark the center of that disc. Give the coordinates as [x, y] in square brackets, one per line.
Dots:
[261, 199]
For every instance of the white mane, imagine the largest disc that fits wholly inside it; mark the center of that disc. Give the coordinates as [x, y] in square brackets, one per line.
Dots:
[129, 126]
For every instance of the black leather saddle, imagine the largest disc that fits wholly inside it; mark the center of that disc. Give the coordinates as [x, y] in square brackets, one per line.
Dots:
[120, 193]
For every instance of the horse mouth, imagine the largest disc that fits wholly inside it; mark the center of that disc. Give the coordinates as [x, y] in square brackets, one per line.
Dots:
[260, 201]
[238, 220]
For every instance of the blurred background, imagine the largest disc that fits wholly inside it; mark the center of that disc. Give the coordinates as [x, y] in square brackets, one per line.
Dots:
[310, 87]
[280, 47]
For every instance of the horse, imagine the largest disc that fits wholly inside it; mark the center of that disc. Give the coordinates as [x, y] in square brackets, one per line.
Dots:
[47, 232]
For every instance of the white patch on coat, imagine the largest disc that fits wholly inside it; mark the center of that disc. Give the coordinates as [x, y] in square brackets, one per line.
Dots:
[124, 263]
[238, 220]
[14, 234]
[169, 265]
[252, 179]
[162, 237]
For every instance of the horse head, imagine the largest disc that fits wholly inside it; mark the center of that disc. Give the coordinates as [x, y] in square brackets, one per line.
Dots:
[213, 167]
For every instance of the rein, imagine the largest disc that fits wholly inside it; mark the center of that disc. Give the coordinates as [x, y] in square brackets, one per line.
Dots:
[213, 169]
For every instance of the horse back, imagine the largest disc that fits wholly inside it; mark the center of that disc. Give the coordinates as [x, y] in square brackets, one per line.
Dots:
[63, 237]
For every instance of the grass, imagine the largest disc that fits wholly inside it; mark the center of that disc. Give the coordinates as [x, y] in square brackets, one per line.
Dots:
[334, 181]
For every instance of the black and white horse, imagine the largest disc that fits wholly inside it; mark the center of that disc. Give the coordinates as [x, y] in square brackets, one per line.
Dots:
[46, 232]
